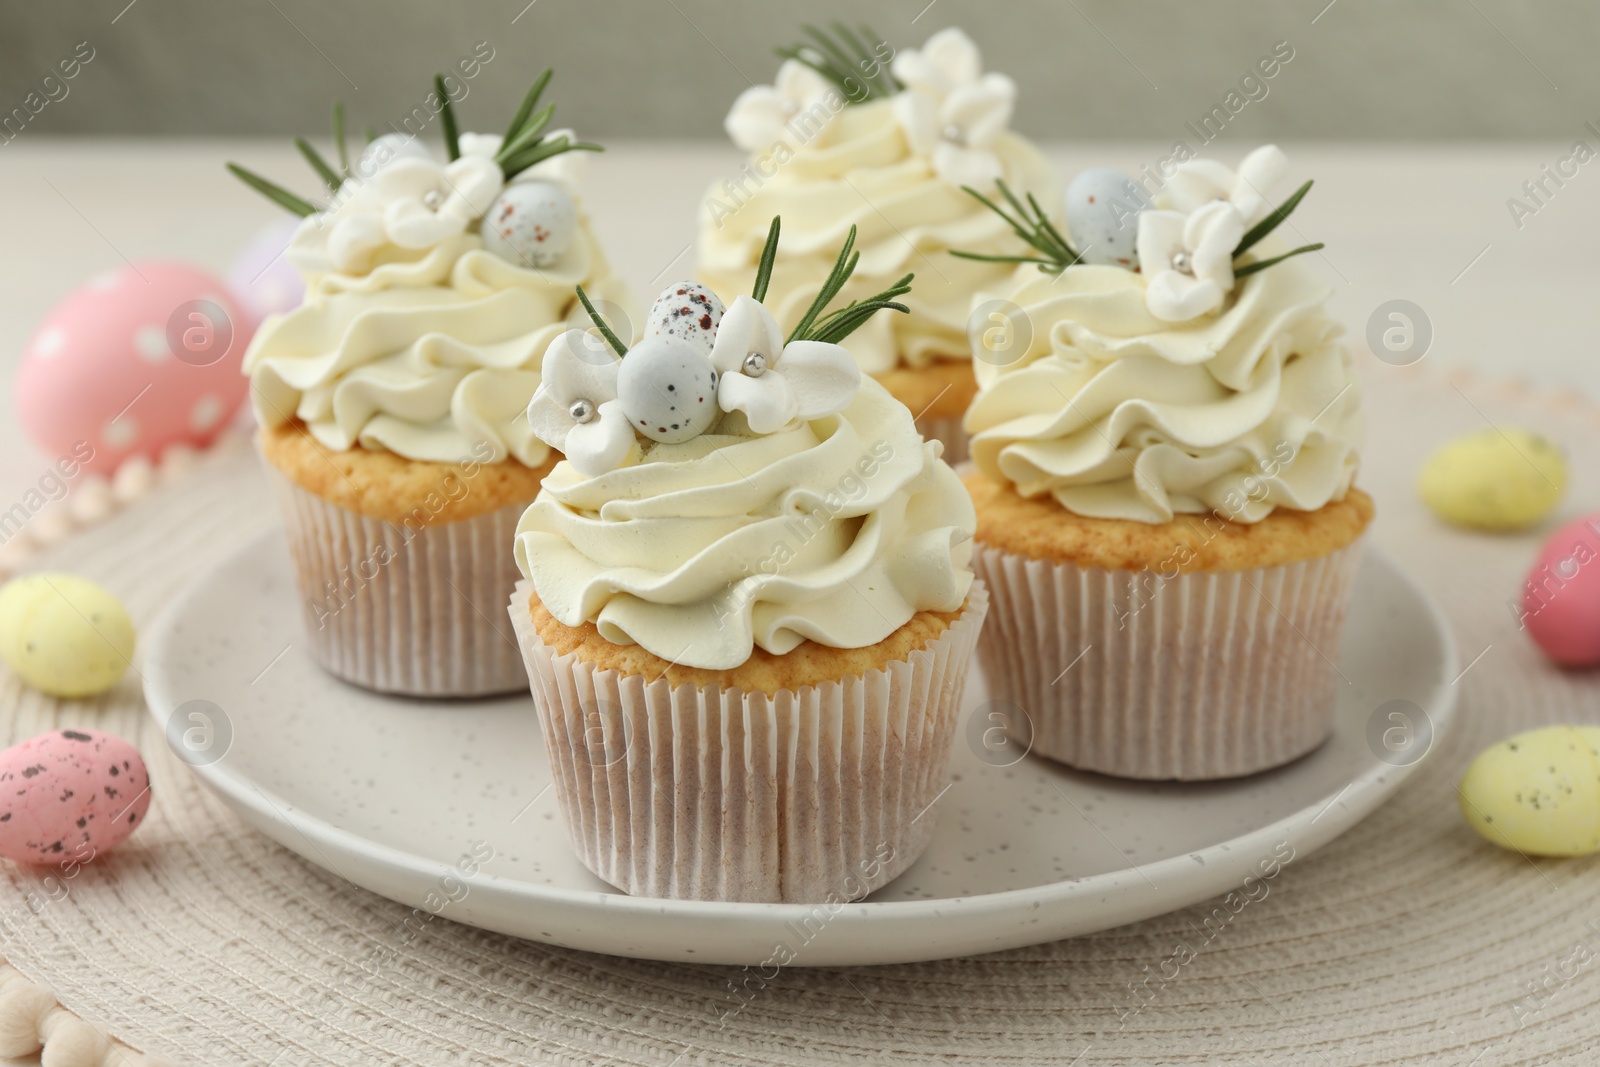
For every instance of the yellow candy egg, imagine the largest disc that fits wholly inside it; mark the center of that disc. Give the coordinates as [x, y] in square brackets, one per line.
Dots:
[1538, 792]
[64, 635]
[1495, 479]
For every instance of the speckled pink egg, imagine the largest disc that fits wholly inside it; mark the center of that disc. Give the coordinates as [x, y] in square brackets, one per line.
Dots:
[1561, 598]
[70, 795]
[136, 360]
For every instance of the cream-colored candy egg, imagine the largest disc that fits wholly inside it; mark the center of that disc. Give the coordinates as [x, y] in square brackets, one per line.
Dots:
[64, 635]
[1495, 479]
[1538, 792]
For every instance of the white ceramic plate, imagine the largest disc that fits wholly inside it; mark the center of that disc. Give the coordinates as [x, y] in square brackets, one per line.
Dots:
[446, 805]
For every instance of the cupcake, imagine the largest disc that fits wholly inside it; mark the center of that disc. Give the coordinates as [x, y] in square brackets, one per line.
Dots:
[391, 402]
[747, 611]
[854, 134]
[1164, 483]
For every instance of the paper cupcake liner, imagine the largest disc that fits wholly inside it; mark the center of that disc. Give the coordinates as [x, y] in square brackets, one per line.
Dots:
[1204, 675]
[820, 794]
[410, 609]
[948, 430]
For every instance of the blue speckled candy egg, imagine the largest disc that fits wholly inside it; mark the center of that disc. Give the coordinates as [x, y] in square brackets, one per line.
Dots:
[1102, 208]
[688, 310]
[530, 224]
[668, 388]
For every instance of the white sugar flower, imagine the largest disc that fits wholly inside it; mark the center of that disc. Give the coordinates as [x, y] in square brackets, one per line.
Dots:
[575, 409]
[951, 111]
[762, 114]
[425, 203]
[1187, 260]
[1200, 181]
[773, 383]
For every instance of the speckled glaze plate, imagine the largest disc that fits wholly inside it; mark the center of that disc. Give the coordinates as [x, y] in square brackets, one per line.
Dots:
[446, 806]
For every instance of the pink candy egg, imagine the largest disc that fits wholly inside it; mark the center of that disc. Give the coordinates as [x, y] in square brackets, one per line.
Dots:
[1561, 598]
[133, 362]
[262, 278]
[70, 795]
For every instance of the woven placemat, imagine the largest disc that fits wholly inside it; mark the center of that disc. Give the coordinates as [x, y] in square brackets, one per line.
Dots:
[1407, 940]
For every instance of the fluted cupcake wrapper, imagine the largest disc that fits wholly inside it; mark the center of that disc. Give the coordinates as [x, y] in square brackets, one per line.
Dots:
[411, 609]
[1202, 675]
[820, 794]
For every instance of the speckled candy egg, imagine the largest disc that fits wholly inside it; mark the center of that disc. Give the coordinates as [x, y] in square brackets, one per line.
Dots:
[1102, 208]
[64, 635]
[262, 279]
[530, 224]
[139, 359]
[687, 310]
[1561, 597]
[70, 795]
[1494, 479]
[386, 149]
[668, 388]
[1538, 792]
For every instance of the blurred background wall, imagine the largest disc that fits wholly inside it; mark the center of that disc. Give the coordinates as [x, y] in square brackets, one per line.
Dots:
[1418, 70]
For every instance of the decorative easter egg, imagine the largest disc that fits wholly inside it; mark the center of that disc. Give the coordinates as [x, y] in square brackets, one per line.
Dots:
[687, 310]
[530, 224]
[386, 149]
[69, 796]
[64, 635]
[1561, 597]
[1494, 479]
[1538, 792]
[137, 360]
[262, 279]
[668, 388]
[1102, 210]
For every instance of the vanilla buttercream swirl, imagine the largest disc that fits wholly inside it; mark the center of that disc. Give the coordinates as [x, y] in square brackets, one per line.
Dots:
[860, 170]
[1120, 415]
[836, 530]
[429, 355]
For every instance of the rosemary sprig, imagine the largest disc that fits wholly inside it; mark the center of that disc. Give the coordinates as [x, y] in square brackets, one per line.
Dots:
[605, 329]
[274, 192]
[527, 136]
[846, 61]
[529, 102]
[769, 254]
[329, 176]
[834, 326]
[338, 138]
[1263, 264]
[1271, 222]
[1031, 223]
[447, 120]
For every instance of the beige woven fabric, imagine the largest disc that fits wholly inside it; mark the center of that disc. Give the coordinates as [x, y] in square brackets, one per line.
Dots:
[1408, 940]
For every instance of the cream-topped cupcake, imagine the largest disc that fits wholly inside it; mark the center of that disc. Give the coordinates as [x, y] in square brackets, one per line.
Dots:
[748, 611]
[882, 142]
[391, 402]
[1164, 490]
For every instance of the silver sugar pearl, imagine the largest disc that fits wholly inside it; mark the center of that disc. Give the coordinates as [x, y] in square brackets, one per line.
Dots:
[1181, 263]
[432, 199]
[581, 410]
[755, 365]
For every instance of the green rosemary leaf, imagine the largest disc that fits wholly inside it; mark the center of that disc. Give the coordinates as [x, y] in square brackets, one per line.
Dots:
[864, 60]
[1005, 259]
[532, 130]
[1263, 264]
[338, 138]
[447, 119]
[274, 192]
[769, 253]
[1032, 224]
[843, 267]
[605, 329]
[545, 150]
[891, 84]
[529, 102]
[836, 331]
[329, 176]
[1270, 223]
[1048, 227]
[838, 58]
[1019, 228]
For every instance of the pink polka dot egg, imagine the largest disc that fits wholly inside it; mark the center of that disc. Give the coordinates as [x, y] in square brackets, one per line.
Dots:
[70, 795]
[136, 360]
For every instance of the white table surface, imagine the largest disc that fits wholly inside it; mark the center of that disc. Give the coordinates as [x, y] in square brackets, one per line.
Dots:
[1427, 224]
